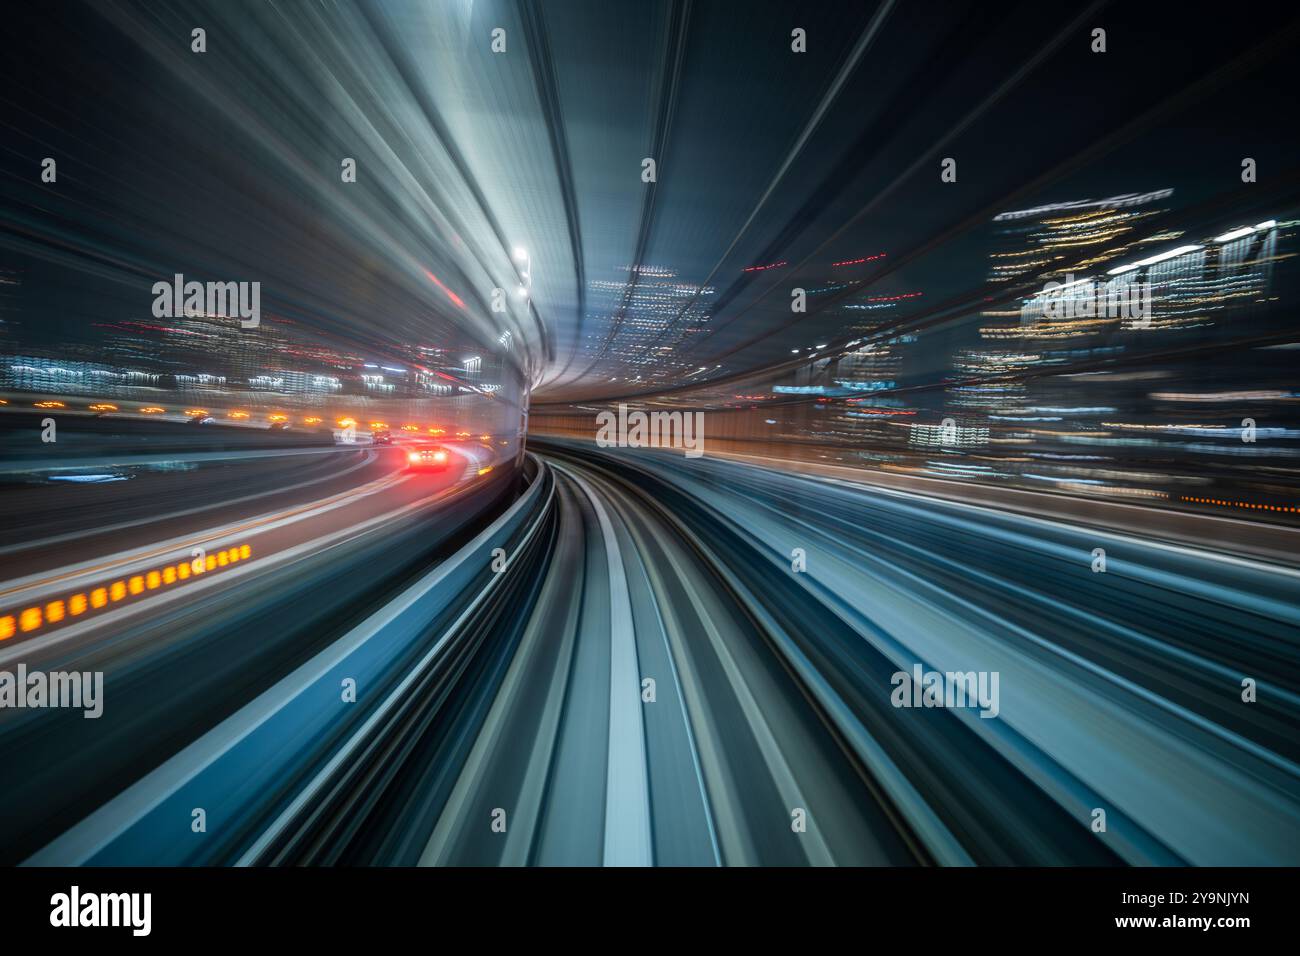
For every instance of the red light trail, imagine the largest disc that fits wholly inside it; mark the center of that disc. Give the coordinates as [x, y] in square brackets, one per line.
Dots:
[451, 295]
[856, 262]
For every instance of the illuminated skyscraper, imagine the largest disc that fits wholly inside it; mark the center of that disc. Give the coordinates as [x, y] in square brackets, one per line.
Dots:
[1045, 240]
[1059, 242]
[643, 311]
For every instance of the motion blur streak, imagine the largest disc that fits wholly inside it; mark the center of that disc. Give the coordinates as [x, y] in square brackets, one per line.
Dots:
[500, 693]
[650, 433]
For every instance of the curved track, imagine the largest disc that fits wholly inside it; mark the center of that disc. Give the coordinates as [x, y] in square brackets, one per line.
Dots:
[625, 667]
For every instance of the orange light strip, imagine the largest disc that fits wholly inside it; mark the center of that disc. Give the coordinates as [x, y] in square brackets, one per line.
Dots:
[1240, 504]
[93, 599]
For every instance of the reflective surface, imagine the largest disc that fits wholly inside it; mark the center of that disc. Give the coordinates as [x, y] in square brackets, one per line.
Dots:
[658, 433]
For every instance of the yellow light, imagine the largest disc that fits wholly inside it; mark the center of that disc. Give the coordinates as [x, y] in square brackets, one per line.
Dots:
[30, 619]
[223, 559]
[378, 425]
[484, 471]
[118, 590]
[99, 597]
[151, 410]
[345, 422]
[193, 412]
[311, 421]
[277, 418]
[169, 575]
[152, 580]
[49, 405]
[77, 604]
[103, 407]
[239, 415]
[211, 562]
[6, 627]
[54, 612]
[183, 570]
[136, 584]
[245, 550]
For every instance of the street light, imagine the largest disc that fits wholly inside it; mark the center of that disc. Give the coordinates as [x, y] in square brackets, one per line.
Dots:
[522, 255]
